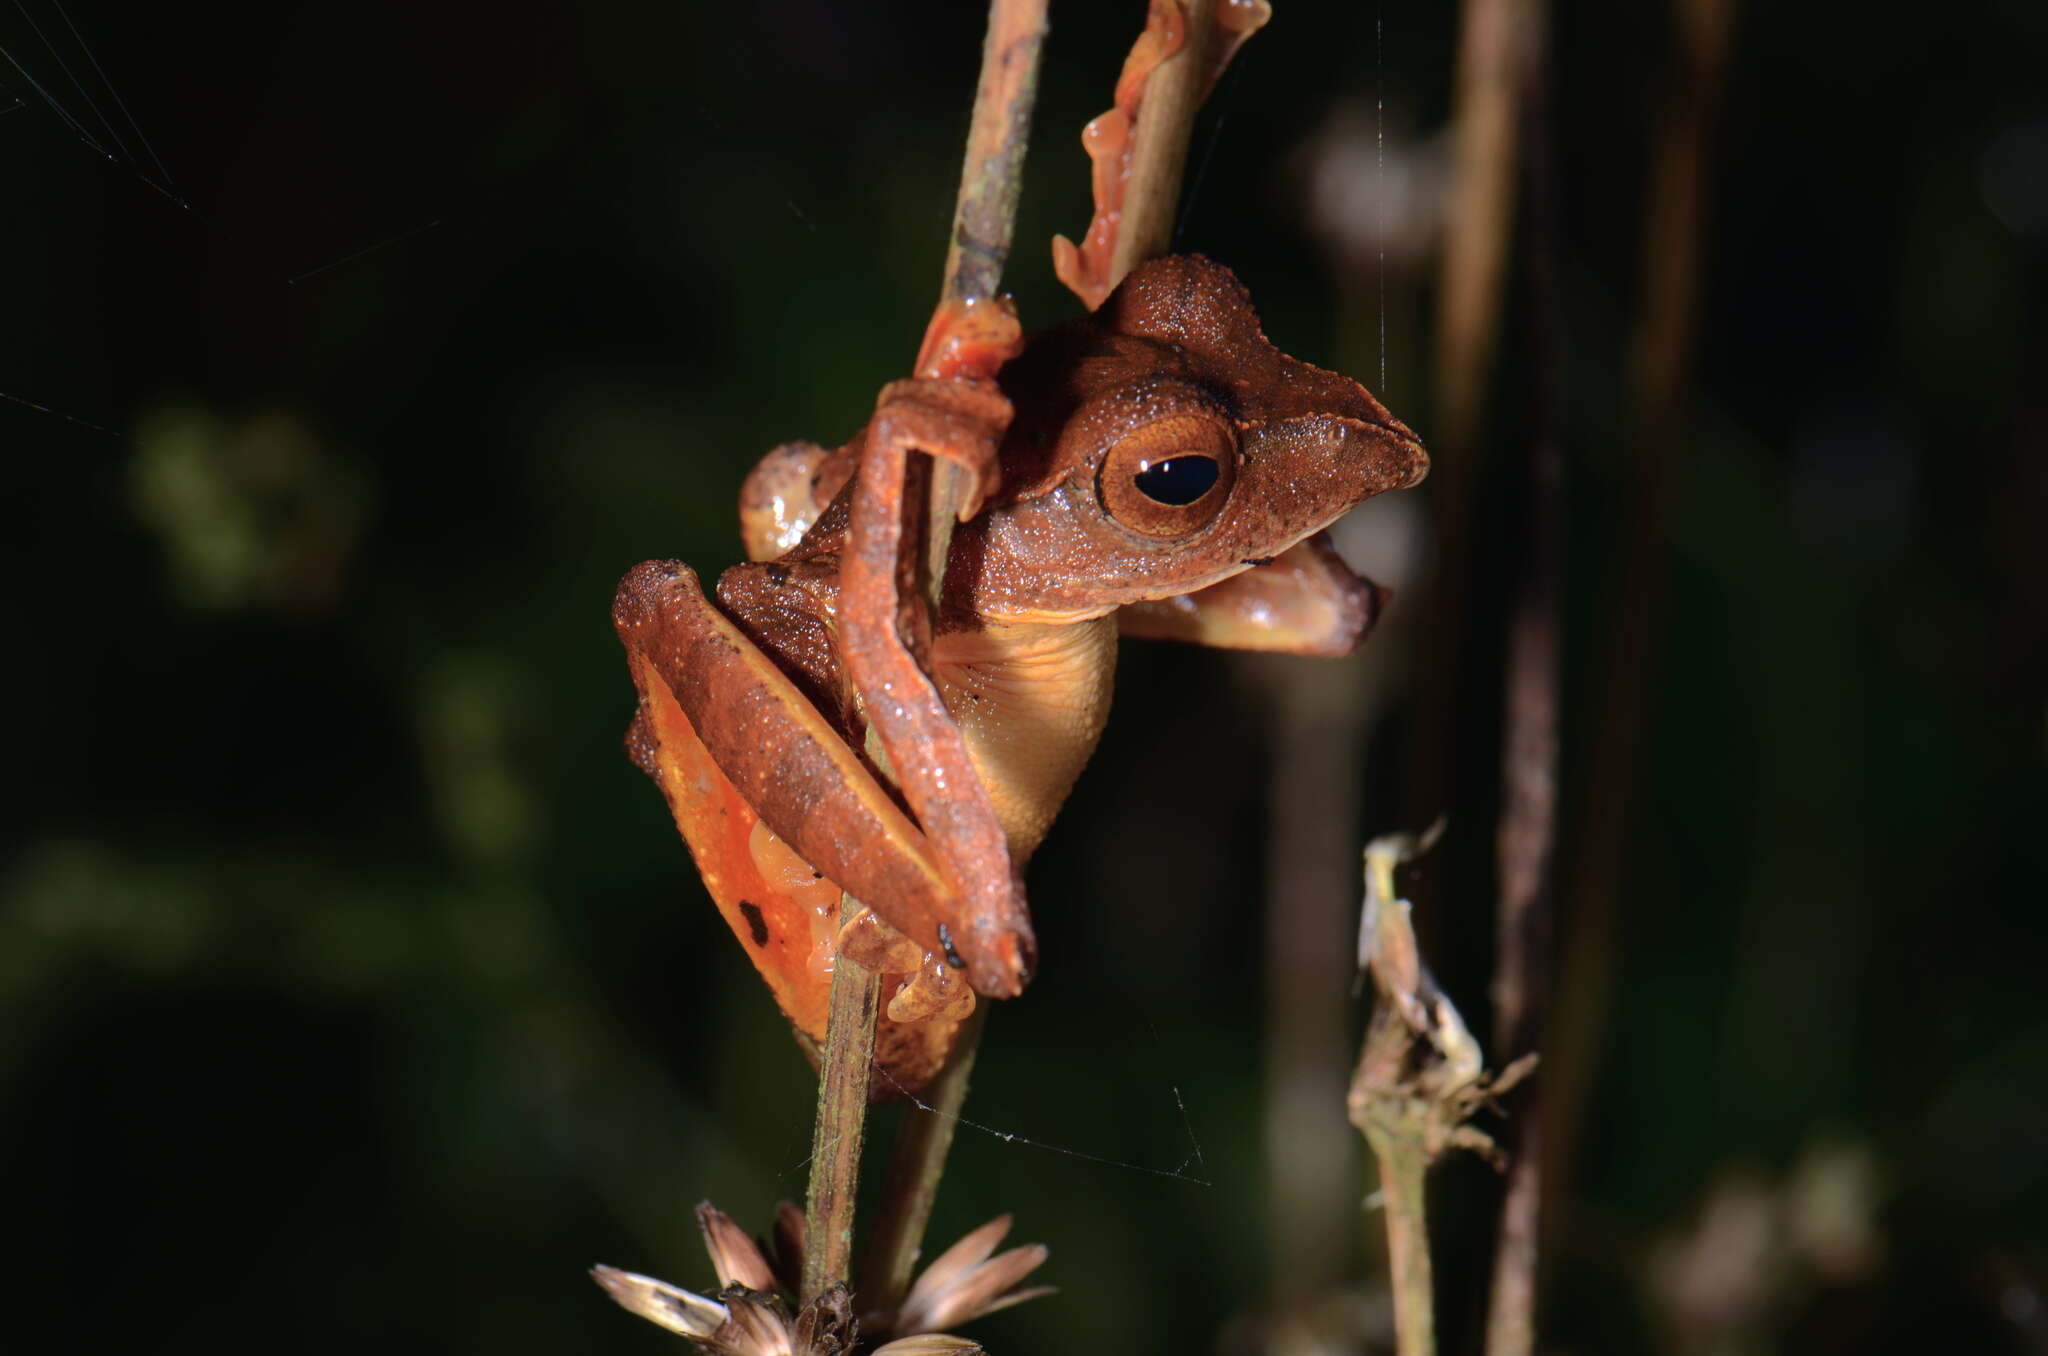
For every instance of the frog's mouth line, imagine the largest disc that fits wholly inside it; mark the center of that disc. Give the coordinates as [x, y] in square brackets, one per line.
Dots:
[1245, 566]
[1068, 618]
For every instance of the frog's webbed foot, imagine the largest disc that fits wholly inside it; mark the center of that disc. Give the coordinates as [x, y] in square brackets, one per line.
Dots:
[1304, 601]
[885, 640]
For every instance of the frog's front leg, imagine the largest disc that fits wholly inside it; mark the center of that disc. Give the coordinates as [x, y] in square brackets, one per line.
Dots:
[1304, 601]
[885, 640]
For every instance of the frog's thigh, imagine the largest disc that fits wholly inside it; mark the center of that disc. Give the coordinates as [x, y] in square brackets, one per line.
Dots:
[1305, 601]
[784, 913]
[785, 760]
[786, 929]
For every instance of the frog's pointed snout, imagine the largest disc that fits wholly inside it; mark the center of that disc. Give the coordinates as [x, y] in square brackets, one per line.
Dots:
[1398, 453]
[1376, 454]
[1418, 455]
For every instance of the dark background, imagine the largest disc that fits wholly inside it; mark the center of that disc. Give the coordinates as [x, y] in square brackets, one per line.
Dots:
[355, 990]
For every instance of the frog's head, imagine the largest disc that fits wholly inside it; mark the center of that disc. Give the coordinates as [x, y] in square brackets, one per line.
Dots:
[1162, 445]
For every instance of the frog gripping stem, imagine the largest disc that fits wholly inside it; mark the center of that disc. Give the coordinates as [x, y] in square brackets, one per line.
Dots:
[885, 635]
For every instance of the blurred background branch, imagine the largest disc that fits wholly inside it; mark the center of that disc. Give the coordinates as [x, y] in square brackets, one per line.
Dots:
[1526, 838]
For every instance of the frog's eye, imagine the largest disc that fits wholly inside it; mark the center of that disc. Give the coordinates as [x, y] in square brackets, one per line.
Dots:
[1171, 476]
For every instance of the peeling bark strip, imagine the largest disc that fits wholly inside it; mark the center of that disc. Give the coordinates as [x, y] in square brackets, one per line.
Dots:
[1137, 149]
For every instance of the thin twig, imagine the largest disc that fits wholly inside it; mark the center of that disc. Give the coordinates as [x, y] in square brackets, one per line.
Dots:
[985, 215]
[1420, 1078]
[1529, 753]
[842, 1120]
[1493, 38]
[912, 1186]
[992, 179]
[1388, 1101]
[1403, 1170]
[983, 226]
[983, 229]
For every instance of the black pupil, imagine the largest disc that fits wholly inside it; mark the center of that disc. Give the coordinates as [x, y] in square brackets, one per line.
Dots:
[1177, 480]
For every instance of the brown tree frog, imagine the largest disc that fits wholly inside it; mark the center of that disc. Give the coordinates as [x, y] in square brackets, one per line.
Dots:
[1156, 468]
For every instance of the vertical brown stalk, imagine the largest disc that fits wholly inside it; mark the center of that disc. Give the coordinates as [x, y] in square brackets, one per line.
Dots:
[841, 1122]
[992, 177]
[984, 224]
[1525, 849]
[1494, 37]
[1676, 211]
[918, 1163]
[1492, 62]
[985, 214]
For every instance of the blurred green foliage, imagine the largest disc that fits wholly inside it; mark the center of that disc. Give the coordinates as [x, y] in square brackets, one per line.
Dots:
[354, 988]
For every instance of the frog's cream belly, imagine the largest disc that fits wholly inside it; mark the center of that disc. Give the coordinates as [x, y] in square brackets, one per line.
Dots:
[1031, 701]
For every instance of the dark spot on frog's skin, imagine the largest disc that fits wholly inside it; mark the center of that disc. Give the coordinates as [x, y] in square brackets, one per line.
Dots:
[1261, 560]
[817, 875]
[946, 944]
[756, 924]
[776, 572]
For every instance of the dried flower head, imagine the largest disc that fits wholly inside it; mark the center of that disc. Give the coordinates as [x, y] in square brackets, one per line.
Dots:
[678, 1310]
[965, 1281]
[750, 1317]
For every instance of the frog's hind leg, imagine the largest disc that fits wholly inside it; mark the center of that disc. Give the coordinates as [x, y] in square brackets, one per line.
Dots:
[712, 701]
[786, 914]
[785, 921]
